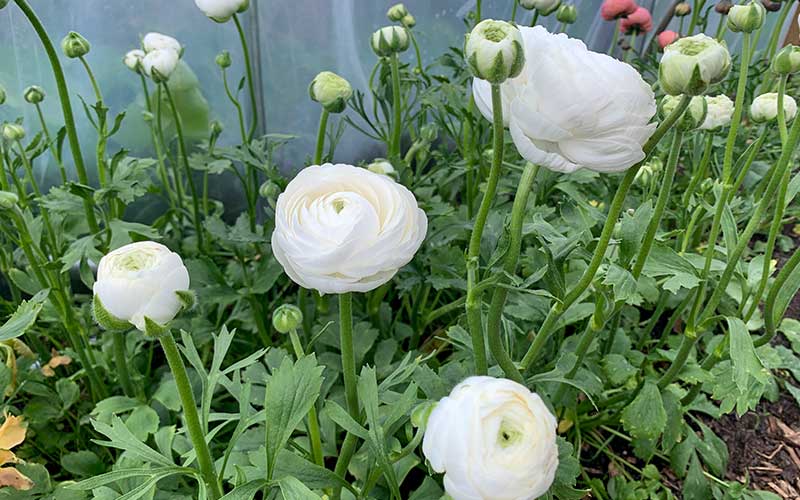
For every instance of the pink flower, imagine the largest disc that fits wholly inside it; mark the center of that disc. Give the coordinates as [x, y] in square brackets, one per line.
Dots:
[667, 37]
[640, 21]
[614, 9]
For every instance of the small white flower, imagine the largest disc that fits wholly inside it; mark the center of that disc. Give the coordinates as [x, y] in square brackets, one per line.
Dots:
[160, 63]
[141, 280]
[720, 111]
[691, 64]
[221, 10]
[157, 41]
[571, 108]
[381, 166]
[765, 108]
[133, 59]
[340, 228]
[494, 51]
[494, 440]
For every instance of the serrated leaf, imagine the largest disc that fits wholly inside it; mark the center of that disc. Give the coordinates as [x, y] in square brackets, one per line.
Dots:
[24, 317]
[293, 489]
[743, 355]
[645, 417]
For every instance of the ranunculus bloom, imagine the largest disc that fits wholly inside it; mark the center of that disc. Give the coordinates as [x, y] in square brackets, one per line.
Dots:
[640, 21]
[720, 111]
[133, 59]
[667, 37]
[692, 63]
[571, 108]
[615, 9]
[339, 228]
[493, 439]
[141, 280]
[159, 64]
[157, 41]
[221, 10]
[765, 107]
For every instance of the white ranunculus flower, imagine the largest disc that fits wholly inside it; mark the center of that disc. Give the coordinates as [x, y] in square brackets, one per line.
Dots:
[133, 59]
[221, 10]
[494, 440]
[340, 228]
[571, 108]
[690, 64]
[157, 41]
[765, 107]
[141, 280]
[494, 51]
[720, 111]
[159, 64]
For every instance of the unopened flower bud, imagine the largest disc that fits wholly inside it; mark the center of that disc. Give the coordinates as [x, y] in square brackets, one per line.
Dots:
[719, 114]
[389, 40]
[494, 51]
[787, 60]
[694, 115]
[331, 91]
[133, 60]
[8, 200]
[74, 45]
[222, 10]
[223, 59]
[34, 94]
[408, 21]
[723, 7]
[429, 132]
[216, 127]
[269, 190]
[683, 9]
[159, 64]
[287, 318]
[765, 108]
[397, 12]
[567, 14]
[381, 166]
[13, 132]
[691, 64]
[543, 7]
[746, 18]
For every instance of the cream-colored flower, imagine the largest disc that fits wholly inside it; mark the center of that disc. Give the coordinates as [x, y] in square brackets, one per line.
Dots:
[494, 440]
[221, 10]
[720, 111]
[157, 41]
[340, 228]
[691, 64]
[133, 59]
[765, 107]
[160, 64]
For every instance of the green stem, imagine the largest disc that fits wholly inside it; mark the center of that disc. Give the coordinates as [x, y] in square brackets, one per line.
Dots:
[614, 39]
[66, 107]
[495, 316]
[584, 342]
[121, 363]
[473, 302]
[685, 348]
[323, 126]
[192, 420]
[394, 140]
[535, 18]
[770, 325]
[350, 381]
[184, 154]
[313, 421]
[781, 115]
[700, 173]
[777, 29]
[162, 168]
[236, 104]
[51, 144]
[250, 83]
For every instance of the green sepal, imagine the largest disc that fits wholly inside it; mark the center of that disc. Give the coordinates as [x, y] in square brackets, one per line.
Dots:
[187, 298]
[105, 319]
[153, 329]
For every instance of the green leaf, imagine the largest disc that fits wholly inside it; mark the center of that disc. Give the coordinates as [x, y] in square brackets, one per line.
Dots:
[618, 369]
[122, 438]
[743, 354]
[245, 491]
[68, 391]
[121, 474]
[645, 417]
[24, 317]
[368, 394]
[142, 422]
[696, 487]
[293, 489]
[311, 474]
[665, 262]
[290, 394]
[83, 463]
[622, 282]
[785, 294]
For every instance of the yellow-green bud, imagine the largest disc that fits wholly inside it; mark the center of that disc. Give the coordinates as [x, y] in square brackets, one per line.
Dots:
[269, 190]
[223, 59]
[216, 127]
[287, 318]
[683, 9]
[13, 132]
[787, 60]
[429, 132]
[381, 166]
[567, 14]
[397, 12]
[8, 200]
[689, 65]
[746, 18]
[694, 115]
[765, 108]
[494, 51]
[34, 94]
[389, 40]
[331, 91]
[74, 45]
[408, 21]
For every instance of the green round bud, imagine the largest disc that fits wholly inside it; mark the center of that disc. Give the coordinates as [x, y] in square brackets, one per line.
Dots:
[694, 115]
[216, 127]
[223, 59]
[567, 14]
[286, 318]
[13, 132]
[689, 65]
[429, 132]
[746, 18]
[331, 91]
[408, 21]
[269, 190]
[494, 51]
[683, 9]
[8, 200]
[397, 12]
[74, 45]
[34, 94]
[389, 40]
[786, 61]
[2, 95]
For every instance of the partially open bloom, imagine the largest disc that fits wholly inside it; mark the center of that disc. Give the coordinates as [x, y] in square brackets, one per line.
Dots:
[720, 111]
[389, 40]
[381, 166]
[786, 61]
[571, 108]
[159, 64]
[494, 51]
[543, 7]
[746, 18]
[694, 115]
[137, 281]
[221, 10]
[615, 9]
[666, 37]
[765, 107]
[493, 439]
[158, 41]
[640, 21]
[691, 64]
[133, 59]
[340, 228]
[13, 132]
[331, 91]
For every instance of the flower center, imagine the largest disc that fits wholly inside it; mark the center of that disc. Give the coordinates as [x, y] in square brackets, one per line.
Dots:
[339, 204]
[693, 48]
[508, 435]
[136, 261]
[494, 34]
